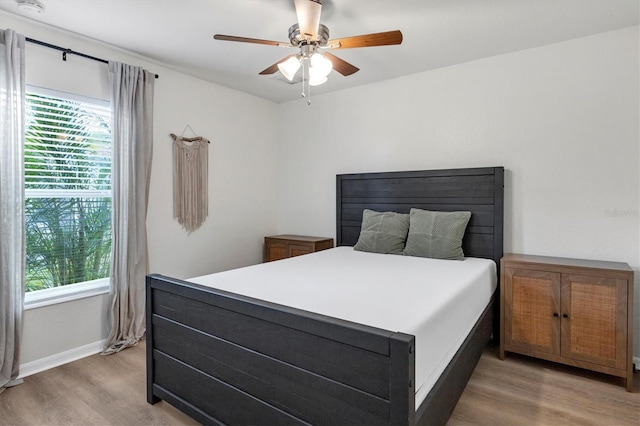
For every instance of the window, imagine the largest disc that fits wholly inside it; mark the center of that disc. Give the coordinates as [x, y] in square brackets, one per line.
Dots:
[67, 190]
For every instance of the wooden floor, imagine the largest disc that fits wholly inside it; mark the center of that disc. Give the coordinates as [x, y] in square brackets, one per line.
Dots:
[97, 390]
[526, 391]
[101, 390]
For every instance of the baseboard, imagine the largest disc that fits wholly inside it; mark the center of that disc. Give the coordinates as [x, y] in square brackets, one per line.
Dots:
[42, 364]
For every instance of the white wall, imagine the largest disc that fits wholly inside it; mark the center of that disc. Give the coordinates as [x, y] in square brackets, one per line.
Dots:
[562, 119]
[242, 179]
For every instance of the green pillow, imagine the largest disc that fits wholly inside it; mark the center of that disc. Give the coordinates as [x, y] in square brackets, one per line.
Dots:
[436, 234]
[383, 232]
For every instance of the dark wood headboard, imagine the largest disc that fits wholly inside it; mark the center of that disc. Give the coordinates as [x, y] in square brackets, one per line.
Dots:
[478, 190]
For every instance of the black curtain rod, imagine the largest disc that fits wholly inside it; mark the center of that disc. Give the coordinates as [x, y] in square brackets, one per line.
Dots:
[69, 51]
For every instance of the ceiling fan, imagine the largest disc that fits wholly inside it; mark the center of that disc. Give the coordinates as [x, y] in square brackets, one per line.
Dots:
[312, 39]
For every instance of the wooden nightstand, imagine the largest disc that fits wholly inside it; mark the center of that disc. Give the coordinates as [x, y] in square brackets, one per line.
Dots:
[278, 247]
[572, 311]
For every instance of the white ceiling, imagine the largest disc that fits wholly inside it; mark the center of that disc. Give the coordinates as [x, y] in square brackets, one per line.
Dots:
[437, 33]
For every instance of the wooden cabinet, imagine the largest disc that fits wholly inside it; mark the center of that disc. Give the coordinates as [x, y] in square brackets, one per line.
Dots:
[278, 247]
[577, 312]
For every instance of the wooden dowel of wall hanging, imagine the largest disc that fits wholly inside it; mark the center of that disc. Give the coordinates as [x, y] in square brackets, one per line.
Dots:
[197, 138]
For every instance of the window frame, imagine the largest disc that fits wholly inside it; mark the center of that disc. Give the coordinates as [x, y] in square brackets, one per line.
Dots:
[65, 293]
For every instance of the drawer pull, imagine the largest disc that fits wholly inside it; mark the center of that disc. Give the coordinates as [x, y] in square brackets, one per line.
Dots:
[565, 316]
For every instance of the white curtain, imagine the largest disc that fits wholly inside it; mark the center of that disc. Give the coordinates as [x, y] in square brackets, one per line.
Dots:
[12, 236]
[132, 139]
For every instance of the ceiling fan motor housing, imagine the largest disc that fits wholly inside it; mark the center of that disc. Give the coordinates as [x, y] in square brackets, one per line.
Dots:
[297, 39]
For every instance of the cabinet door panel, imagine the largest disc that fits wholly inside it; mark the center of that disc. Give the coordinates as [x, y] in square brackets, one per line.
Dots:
[276, 251]
[594, 324]
[532, 300]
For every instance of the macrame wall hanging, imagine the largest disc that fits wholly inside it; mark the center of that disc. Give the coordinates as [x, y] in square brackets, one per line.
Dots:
[190, 180]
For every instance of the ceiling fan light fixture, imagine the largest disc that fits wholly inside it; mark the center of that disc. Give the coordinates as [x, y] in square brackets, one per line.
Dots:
[317, 80]
[320, 65]
[290, 67]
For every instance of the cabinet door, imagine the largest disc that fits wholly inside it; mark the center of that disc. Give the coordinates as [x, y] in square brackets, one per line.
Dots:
[532, 307]
[296, 249]
[594, 321]
[275, 251]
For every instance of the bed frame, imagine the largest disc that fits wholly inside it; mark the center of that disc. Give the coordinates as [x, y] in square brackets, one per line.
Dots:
[224, 358]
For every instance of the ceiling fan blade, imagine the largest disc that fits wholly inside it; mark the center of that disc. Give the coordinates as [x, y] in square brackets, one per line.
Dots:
[249, 40]
[340, 65]
[368, 40]
[308, 12]
[273, 68]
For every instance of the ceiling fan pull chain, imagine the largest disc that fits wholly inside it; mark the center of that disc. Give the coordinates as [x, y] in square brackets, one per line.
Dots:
[306, 80]
[309, 88]
[304, 95]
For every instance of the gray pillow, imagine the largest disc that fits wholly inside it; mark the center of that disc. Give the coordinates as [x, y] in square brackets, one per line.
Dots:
[383, 232]
[436, 234]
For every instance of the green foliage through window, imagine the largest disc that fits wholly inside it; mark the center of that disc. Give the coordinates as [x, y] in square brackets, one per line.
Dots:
[67, 190]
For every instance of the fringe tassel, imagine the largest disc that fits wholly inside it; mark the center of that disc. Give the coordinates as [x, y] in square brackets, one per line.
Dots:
[190, 182]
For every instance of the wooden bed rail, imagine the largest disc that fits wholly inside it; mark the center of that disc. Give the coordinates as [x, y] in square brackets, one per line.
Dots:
[222, 357]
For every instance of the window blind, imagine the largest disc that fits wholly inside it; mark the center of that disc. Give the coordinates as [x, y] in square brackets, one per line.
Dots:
[68, 146]
[67, 190]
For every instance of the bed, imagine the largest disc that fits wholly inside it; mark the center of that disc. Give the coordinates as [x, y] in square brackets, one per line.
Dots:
[226, 358]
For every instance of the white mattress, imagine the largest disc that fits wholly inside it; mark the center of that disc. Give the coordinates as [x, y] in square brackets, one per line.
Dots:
[437, 301]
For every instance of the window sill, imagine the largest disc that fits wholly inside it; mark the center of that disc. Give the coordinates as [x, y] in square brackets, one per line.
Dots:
[67, 293]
